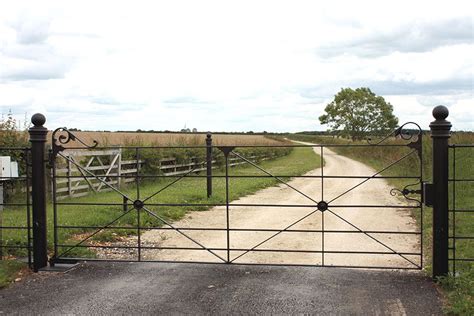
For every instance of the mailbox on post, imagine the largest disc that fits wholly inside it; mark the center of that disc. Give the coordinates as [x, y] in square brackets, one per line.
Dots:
[8, 168]
[8, 171]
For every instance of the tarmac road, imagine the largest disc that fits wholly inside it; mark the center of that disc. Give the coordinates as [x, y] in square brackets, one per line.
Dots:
[173, 288]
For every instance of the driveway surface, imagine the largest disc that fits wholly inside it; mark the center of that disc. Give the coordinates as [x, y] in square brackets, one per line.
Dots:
[172, 288]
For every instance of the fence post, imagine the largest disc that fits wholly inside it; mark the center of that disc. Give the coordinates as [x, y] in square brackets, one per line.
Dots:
[69, 175]
[209, 164]
[440, 133]
[119, 169]
[38, 134]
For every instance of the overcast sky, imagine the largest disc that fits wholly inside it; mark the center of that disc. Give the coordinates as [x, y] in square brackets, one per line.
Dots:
[231, 65]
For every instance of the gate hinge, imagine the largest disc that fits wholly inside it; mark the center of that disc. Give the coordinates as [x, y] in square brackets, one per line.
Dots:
[427, 194]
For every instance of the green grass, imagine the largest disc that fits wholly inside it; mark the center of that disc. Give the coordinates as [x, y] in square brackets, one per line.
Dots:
[460, 293]
[186, 191]
[458, 289]
[9, 270]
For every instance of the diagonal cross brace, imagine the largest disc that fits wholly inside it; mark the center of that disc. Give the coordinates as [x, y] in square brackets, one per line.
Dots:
[314, 211]
[182, 233]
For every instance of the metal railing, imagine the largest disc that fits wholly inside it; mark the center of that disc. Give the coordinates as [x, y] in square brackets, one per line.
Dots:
[461, 214]
[15, 205]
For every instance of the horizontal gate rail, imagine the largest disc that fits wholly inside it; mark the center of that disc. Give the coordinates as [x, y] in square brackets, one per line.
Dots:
[368, 206]
[248, 229]
[252, 176]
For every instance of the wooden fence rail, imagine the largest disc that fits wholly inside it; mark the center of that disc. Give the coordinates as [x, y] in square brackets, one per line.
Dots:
[84, 172]
[93, 171]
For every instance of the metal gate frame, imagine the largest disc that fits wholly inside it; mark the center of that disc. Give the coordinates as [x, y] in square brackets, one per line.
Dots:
[63, 136]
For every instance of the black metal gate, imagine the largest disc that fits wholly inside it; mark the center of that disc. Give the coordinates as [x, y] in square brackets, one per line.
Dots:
[326, 227]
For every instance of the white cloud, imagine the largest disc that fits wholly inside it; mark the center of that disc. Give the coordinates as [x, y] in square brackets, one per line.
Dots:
[218, 65]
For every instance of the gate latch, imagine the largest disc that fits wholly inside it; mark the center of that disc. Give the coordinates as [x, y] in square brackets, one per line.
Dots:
[428, 194]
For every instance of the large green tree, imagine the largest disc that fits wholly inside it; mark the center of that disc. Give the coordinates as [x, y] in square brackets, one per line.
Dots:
[359, 112]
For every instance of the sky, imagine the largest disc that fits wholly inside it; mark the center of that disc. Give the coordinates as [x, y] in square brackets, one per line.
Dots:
[231, 65]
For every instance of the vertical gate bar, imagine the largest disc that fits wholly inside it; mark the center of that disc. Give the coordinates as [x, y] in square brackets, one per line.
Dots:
[209, 163]
[38, 134]
[322, 199]
[440, 133]
[28, 206]
[124, 204]
[227, 204]
[139, 237]
[137, 155]
[55, 206]
[1, 221]
[137, 180]
[69, 174]
[454, 210]
[422, 205]
[119, 169]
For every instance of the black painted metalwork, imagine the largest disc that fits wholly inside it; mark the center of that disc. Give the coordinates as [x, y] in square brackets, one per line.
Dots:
[38, 134]
[62, 136]
[209, 164]
[406, 192]
[144, 206]
[461, 262]
[15, 211]
[440, 133]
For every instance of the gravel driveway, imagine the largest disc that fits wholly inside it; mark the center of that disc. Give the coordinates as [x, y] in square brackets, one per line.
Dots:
[196, 289]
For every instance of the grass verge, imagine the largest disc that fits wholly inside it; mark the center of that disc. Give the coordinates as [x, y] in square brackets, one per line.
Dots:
[9, 270]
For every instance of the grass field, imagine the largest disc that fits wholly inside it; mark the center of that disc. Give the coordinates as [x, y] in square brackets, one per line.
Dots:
[188, 190]
[460, 290]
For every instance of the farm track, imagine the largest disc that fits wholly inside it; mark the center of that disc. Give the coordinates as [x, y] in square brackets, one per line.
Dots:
[372, 192]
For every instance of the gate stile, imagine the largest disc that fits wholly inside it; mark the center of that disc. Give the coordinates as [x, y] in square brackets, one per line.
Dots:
[63, 136]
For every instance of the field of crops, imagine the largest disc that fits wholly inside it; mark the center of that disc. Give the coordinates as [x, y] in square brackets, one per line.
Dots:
[164, 139]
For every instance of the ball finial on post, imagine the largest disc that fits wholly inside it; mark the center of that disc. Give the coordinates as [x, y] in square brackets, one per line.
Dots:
[440, 112]
[38, 119]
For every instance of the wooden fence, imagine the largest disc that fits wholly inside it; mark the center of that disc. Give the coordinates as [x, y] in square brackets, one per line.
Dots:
[101, 169]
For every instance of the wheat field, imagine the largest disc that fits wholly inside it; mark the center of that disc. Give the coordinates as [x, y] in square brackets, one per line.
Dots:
[167, 139]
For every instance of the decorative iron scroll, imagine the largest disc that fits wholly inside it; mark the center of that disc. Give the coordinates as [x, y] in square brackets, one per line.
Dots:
[406, 191]
[402, 133]
[62, 136]
[414, 136]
